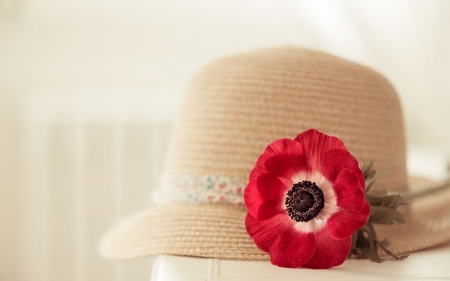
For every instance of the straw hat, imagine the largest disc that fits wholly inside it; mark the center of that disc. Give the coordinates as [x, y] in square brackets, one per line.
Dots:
[235, 107]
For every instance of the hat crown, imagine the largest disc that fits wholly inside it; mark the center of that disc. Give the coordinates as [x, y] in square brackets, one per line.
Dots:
[235, 106]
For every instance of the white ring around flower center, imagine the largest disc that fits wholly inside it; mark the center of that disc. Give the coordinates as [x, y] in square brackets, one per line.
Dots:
[317, 223]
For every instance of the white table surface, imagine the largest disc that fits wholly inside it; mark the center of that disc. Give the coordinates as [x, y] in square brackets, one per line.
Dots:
[431, 264]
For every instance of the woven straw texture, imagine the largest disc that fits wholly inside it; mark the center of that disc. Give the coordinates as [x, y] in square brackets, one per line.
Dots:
[234, 108]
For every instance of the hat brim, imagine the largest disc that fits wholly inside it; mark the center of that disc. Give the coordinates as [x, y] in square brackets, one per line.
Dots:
[218, 230]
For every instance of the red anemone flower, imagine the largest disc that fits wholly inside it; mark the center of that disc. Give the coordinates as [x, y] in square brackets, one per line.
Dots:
[305, 199]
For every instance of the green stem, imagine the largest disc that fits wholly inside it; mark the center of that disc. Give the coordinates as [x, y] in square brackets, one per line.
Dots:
[385, 249]
[411, 195]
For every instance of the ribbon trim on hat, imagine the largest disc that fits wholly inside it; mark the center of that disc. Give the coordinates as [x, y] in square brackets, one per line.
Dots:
[199, 189]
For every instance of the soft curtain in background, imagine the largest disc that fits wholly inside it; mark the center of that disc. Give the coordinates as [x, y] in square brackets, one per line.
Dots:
[89, 91]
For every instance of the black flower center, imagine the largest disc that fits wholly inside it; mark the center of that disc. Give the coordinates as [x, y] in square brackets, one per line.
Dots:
[304, 201]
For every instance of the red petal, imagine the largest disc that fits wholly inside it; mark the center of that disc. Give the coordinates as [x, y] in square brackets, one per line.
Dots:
[267, 232]
[329, 252]
[285, 158]
[336, 160]
[349, 193]
[259, 168]
[293, 248]
[316, 144]
[344, 223]
[264, 196]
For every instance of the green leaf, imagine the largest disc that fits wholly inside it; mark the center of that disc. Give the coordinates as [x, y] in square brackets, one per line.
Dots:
[367, 169]
[390, 201]
[385, 243]
[374, 200]
[384, 215]
[383, 211]
[370, 181]
[393, 201]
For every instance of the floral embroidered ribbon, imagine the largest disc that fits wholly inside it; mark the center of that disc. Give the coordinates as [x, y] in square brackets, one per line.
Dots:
[199, 189]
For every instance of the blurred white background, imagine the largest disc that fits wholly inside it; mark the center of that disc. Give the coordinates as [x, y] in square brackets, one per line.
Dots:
[89, 91]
